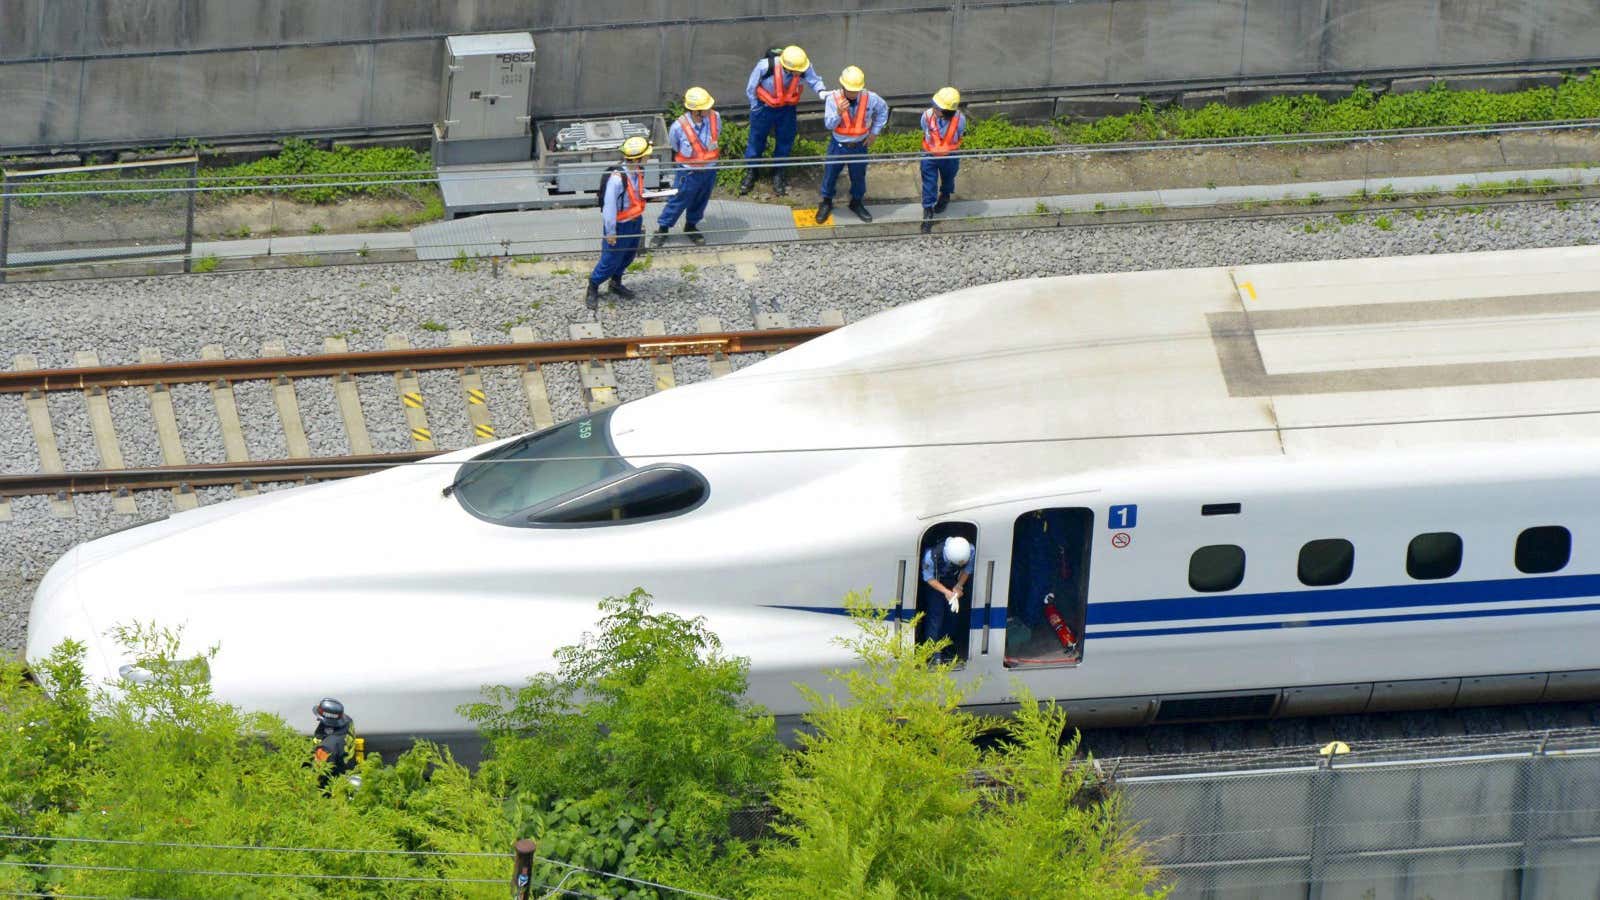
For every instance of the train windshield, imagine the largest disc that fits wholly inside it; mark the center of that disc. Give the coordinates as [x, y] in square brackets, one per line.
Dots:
[539, 467]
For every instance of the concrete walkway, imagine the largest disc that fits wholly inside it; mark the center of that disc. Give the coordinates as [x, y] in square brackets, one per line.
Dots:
[731, 222]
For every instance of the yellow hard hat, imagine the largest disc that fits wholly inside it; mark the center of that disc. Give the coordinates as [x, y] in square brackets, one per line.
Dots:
[944, 98]
[794, 59]
[636, 147]
[852, 79]
[697, 98]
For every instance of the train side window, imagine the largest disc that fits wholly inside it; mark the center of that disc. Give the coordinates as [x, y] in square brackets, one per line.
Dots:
[1436, 554]
[1326, 562]
[1545, 548]
[1218, 567]
[650, 493]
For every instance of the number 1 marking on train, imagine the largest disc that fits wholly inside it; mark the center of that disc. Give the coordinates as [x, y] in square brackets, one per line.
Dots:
[1126, 516]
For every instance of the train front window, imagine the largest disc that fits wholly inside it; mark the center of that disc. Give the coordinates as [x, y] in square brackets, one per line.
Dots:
[535, 469]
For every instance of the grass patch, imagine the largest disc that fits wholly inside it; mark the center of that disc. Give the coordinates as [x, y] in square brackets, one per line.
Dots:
[204, 264]
[1383, 223]
[463, 262]
[431, 325]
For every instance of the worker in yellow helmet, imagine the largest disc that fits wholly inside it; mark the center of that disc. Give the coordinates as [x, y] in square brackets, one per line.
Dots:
[774, 90]
[943, 126]
[856, 117]
[694, 139]
[622, 220]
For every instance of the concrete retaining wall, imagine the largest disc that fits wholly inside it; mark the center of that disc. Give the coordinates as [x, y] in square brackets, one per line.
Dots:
[80, 73]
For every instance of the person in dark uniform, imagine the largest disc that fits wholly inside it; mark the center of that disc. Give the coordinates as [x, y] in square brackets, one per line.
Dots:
[946, 569]
[333, 738]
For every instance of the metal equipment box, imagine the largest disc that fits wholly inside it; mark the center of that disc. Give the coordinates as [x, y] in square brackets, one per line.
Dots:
[485, 99]
[578, 151]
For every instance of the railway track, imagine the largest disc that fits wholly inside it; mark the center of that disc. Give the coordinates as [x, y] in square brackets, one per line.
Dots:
[588, 347]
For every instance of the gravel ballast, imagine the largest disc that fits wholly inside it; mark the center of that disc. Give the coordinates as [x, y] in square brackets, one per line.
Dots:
[241, 311]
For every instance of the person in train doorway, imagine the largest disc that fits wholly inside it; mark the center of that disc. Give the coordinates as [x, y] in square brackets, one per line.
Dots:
[694, 139]
[943, 126]
[774, 89]
[856, 117]
[622, 219]
[333, 739]
[946, 569]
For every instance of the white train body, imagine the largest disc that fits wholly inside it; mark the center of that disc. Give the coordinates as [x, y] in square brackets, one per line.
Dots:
[1370, 401]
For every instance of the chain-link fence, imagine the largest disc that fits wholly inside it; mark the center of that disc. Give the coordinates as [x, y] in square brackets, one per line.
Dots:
[112, 211]
[1493, 818]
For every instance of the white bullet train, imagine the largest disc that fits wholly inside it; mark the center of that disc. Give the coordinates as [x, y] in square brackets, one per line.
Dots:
[1271, 490]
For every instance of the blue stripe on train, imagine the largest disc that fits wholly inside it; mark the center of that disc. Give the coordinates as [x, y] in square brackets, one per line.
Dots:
[1302, 603]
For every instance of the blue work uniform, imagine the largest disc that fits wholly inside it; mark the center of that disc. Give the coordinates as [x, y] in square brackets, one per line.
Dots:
[938, 621]
[767, 120]
[693, 181]
[939, 171]
[850, 145]
[614, 259]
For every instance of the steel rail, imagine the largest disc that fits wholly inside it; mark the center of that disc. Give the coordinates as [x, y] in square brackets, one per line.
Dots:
[204, 474]
[385, 361]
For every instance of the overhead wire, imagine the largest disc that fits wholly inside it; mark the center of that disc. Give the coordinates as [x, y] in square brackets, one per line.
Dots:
[908, 445]
[180, 845]
[303, 181]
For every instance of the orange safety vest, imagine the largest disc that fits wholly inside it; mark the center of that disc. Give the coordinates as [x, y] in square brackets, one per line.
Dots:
[788, 94]
[851, 126]
[936, 143]
[699, 155]
[633, 187]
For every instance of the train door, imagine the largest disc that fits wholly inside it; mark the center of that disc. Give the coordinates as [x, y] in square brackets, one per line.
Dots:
[934, 606]
[1049, 590]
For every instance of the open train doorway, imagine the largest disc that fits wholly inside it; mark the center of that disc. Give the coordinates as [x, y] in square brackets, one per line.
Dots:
[1049, 588]
[935, 576]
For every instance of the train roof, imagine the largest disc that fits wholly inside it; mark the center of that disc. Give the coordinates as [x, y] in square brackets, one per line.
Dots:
[1034, 378]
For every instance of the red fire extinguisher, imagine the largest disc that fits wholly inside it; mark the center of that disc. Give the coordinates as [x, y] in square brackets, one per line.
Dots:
[1058, 624]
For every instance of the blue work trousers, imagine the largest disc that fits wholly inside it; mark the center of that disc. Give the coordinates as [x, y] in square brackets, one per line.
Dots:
[768, 121]
[694, 192]
[858, 170]
[614, 259]
[936, 169]
[937, 620]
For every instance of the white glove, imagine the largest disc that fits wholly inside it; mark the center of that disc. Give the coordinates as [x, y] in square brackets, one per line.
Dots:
[955, 601]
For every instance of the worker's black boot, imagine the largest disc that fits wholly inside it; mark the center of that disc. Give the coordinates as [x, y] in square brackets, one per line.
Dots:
[619, 290]
[860, 209]
[927, 219]
[824, 210]
[780, 184]
[659, 238]
[592, 298]
[694, 235]
[942, 205]
[747, 182]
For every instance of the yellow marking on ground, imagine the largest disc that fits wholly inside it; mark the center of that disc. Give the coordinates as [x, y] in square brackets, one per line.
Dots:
[421, 434]
[807, 218]
[1250, 288]
[483, 431]
[412, 399]
[475, 395]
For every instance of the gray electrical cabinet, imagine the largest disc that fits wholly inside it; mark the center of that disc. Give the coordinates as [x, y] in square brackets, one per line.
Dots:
[485, 100]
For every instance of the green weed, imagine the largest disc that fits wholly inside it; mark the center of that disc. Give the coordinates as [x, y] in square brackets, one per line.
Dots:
[207, 263]
[431, 325]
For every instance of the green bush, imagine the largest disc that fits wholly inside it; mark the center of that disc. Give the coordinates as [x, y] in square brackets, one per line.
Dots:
[141, 779]
[891, 796]
[349, 173]
[639, 744]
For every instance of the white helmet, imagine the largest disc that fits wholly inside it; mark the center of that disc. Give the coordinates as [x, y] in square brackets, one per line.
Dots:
[957, 551]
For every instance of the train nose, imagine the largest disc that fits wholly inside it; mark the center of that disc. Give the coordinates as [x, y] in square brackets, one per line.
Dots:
[58, 615]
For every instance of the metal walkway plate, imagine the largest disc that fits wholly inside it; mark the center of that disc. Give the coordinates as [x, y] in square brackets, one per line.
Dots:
[567, 230]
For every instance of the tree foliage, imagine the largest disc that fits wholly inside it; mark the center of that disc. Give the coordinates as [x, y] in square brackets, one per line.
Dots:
[636, 748]
[629, 758]
[892, 795]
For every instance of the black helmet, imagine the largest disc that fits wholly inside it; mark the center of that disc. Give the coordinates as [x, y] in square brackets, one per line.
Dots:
[329, 710]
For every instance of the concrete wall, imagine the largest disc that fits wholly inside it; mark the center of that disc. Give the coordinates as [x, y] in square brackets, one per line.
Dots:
[78, 73]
